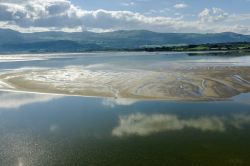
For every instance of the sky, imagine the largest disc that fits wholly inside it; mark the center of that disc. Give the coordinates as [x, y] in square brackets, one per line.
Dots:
[178, 16]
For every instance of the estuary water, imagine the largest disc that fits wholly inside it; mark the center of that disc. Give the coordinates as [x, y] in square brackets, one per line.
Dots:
[64, 127]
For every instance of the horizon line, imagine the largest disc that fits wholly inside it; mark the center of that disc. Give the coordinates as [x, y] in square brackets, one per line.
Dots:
[125, 30]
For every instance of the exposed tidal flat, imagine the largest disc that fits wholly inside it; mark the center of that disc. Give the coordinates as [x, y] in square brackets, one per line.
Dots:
[164, 76]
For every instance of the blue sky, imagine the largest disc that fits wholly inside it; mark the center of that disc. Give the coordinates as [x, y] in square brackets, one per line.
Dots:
[239, 6]
[198, 16]
[145, 6]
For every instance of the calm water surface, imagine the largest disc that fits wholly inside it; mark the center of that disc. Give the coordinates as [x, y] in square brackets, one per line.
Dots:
[51, 130]
[41, 129]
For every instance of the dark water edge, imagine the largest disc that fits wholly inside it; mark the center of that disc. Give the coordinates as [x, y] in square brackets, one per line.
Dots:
[41, 129]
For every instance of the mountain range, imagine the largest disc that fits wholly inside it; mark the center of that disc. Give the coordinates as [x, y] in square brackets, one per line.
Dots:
[53, 41]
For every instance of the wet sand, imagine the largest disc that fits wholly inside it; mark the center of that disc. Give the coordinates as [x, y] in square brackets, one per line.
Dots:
[190, 83]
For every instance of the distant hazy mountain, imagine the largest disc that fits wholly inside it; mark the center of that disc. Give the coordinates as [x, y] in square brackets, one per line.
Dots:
[13, 41]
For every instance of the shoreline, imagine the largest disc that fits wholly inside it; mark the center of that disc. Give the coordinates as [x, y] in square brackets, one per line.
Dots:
[120, 51]
[131, 99]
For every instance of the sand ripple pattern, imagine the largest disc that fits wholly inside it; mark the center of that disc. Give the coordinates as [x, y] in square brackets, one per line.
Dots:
[199, 83]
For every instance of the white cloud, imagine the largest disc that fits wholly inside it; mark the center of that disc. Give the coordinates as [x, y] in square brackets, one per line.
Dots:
[180, 6]
[213, 15]
[63, 14]
[42, 15]
[128, 3]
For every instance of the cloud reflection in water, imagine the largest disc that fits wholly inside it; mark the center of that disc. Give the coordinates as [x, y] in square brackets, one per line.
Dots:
[17, 100]
[143, 125]
[113, 102]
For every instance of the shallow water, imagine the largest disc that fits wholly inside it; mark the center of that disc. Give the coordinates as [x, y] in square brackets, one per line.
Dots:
[47, 129]
[42, 129]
